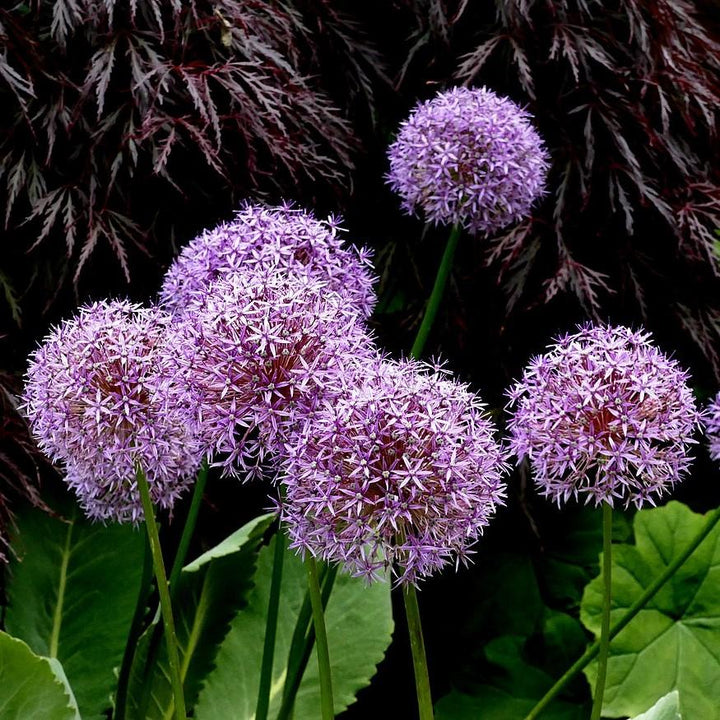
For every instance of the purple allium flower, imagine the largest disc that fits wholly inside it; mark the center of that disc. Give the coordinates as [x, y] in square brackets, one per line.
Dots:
[90, 400]
[400, 470]
[256, 353]
[290, 240]
[711, 421]
[606, 414]
[471, 157]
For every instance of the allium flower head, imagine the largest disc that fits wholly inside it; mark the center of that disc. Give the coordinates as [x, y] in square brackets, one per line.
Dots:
[255, 354]
[471, 157]
[604, 414]
[400, 470]
[711, 420]
[90, 400]
[287, 239]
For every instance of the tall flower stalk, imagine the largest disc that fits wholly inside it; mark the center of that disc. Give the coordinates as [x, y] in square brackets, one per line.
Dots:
[592, 652]
[419, 656]
[93, 400]
[163, 592]
[604, 415]
[399, 471]
[321, 641]
[470, 159]
[606, 604]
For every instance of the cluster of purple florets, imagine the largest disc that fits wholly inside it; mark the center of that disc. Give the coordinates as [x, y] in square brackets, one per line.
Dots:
[258, 356]
[285, 240]
[606, 415]
[469, 157]
[266, 308]
[399, 469]
[92, 403]
[712, 427]
[255, 356]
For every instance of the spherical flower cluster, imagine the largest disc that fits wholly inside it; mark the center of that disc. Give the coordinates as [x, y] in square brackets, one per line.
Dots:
[468, 157]
[254, 355]
[291, 241]
[604, 414]
[90, 400]
[400, 471]
[712, 427]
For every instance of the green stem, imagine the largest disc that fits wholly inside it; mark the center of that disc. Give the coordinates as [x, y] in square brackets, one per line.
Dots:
[263, 699]
[302, 644]
[605, 622]
[165, 606]
[589, 655]
[189, 529]
[437, 293]
[136, 628]
[321, 642]
[178, 563]
[417, 646]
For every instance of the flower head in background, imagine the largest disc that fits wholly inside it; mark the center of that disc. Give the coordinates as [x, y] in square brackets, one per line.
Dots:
[711, 421]
[604, 414]
[400, 470]
[91, 402]
[261, 237]
[257, 352]
[468, 157]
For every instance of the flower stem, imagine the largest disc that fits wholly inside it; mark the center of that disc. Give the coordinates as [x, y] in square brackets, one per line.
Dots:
[263, 699]
[589, 655]
[136, 629]
[302, 644]
[417, 646]
[437, 293]
[321, 642]
[605, 623]
[189, 529]
[165, 606]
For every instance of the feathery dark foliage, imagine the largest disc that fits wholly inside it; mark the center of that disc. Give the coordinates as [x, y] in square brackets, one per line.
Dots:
[20, 460]
[626, 95]
[105, 104]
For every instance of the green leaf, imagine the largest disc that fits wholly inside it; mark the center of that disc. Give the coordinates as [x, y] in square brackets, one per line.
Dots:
[32, 687]
[359, 625]
[210, 591]
[72, 592]
[666, 708]
[674, 642]
[570, 559]
[512, 690]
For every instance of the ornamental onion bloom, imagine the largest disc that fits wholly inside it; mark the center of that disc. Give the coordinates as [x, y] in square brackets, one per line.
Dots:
[604, 414]
[711, 421]
[289, 240]
[258, 350]
[91, 403]
[468, 157]
[400, 470]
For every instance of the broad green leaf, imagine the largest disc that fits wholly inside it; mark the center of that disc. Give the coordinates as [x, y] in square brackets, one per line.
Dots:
[72, 591]
[513, 684]
[248, 534]
[210, 591]
[674, 642]
[666, 708]
[570, 558]
[32, 687]
[359, 625]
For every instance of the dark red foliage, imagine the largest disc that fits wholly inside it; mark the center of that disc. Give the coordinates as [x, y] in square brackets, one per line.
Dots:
[626, 94]
[105, 104]
[20, 460]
